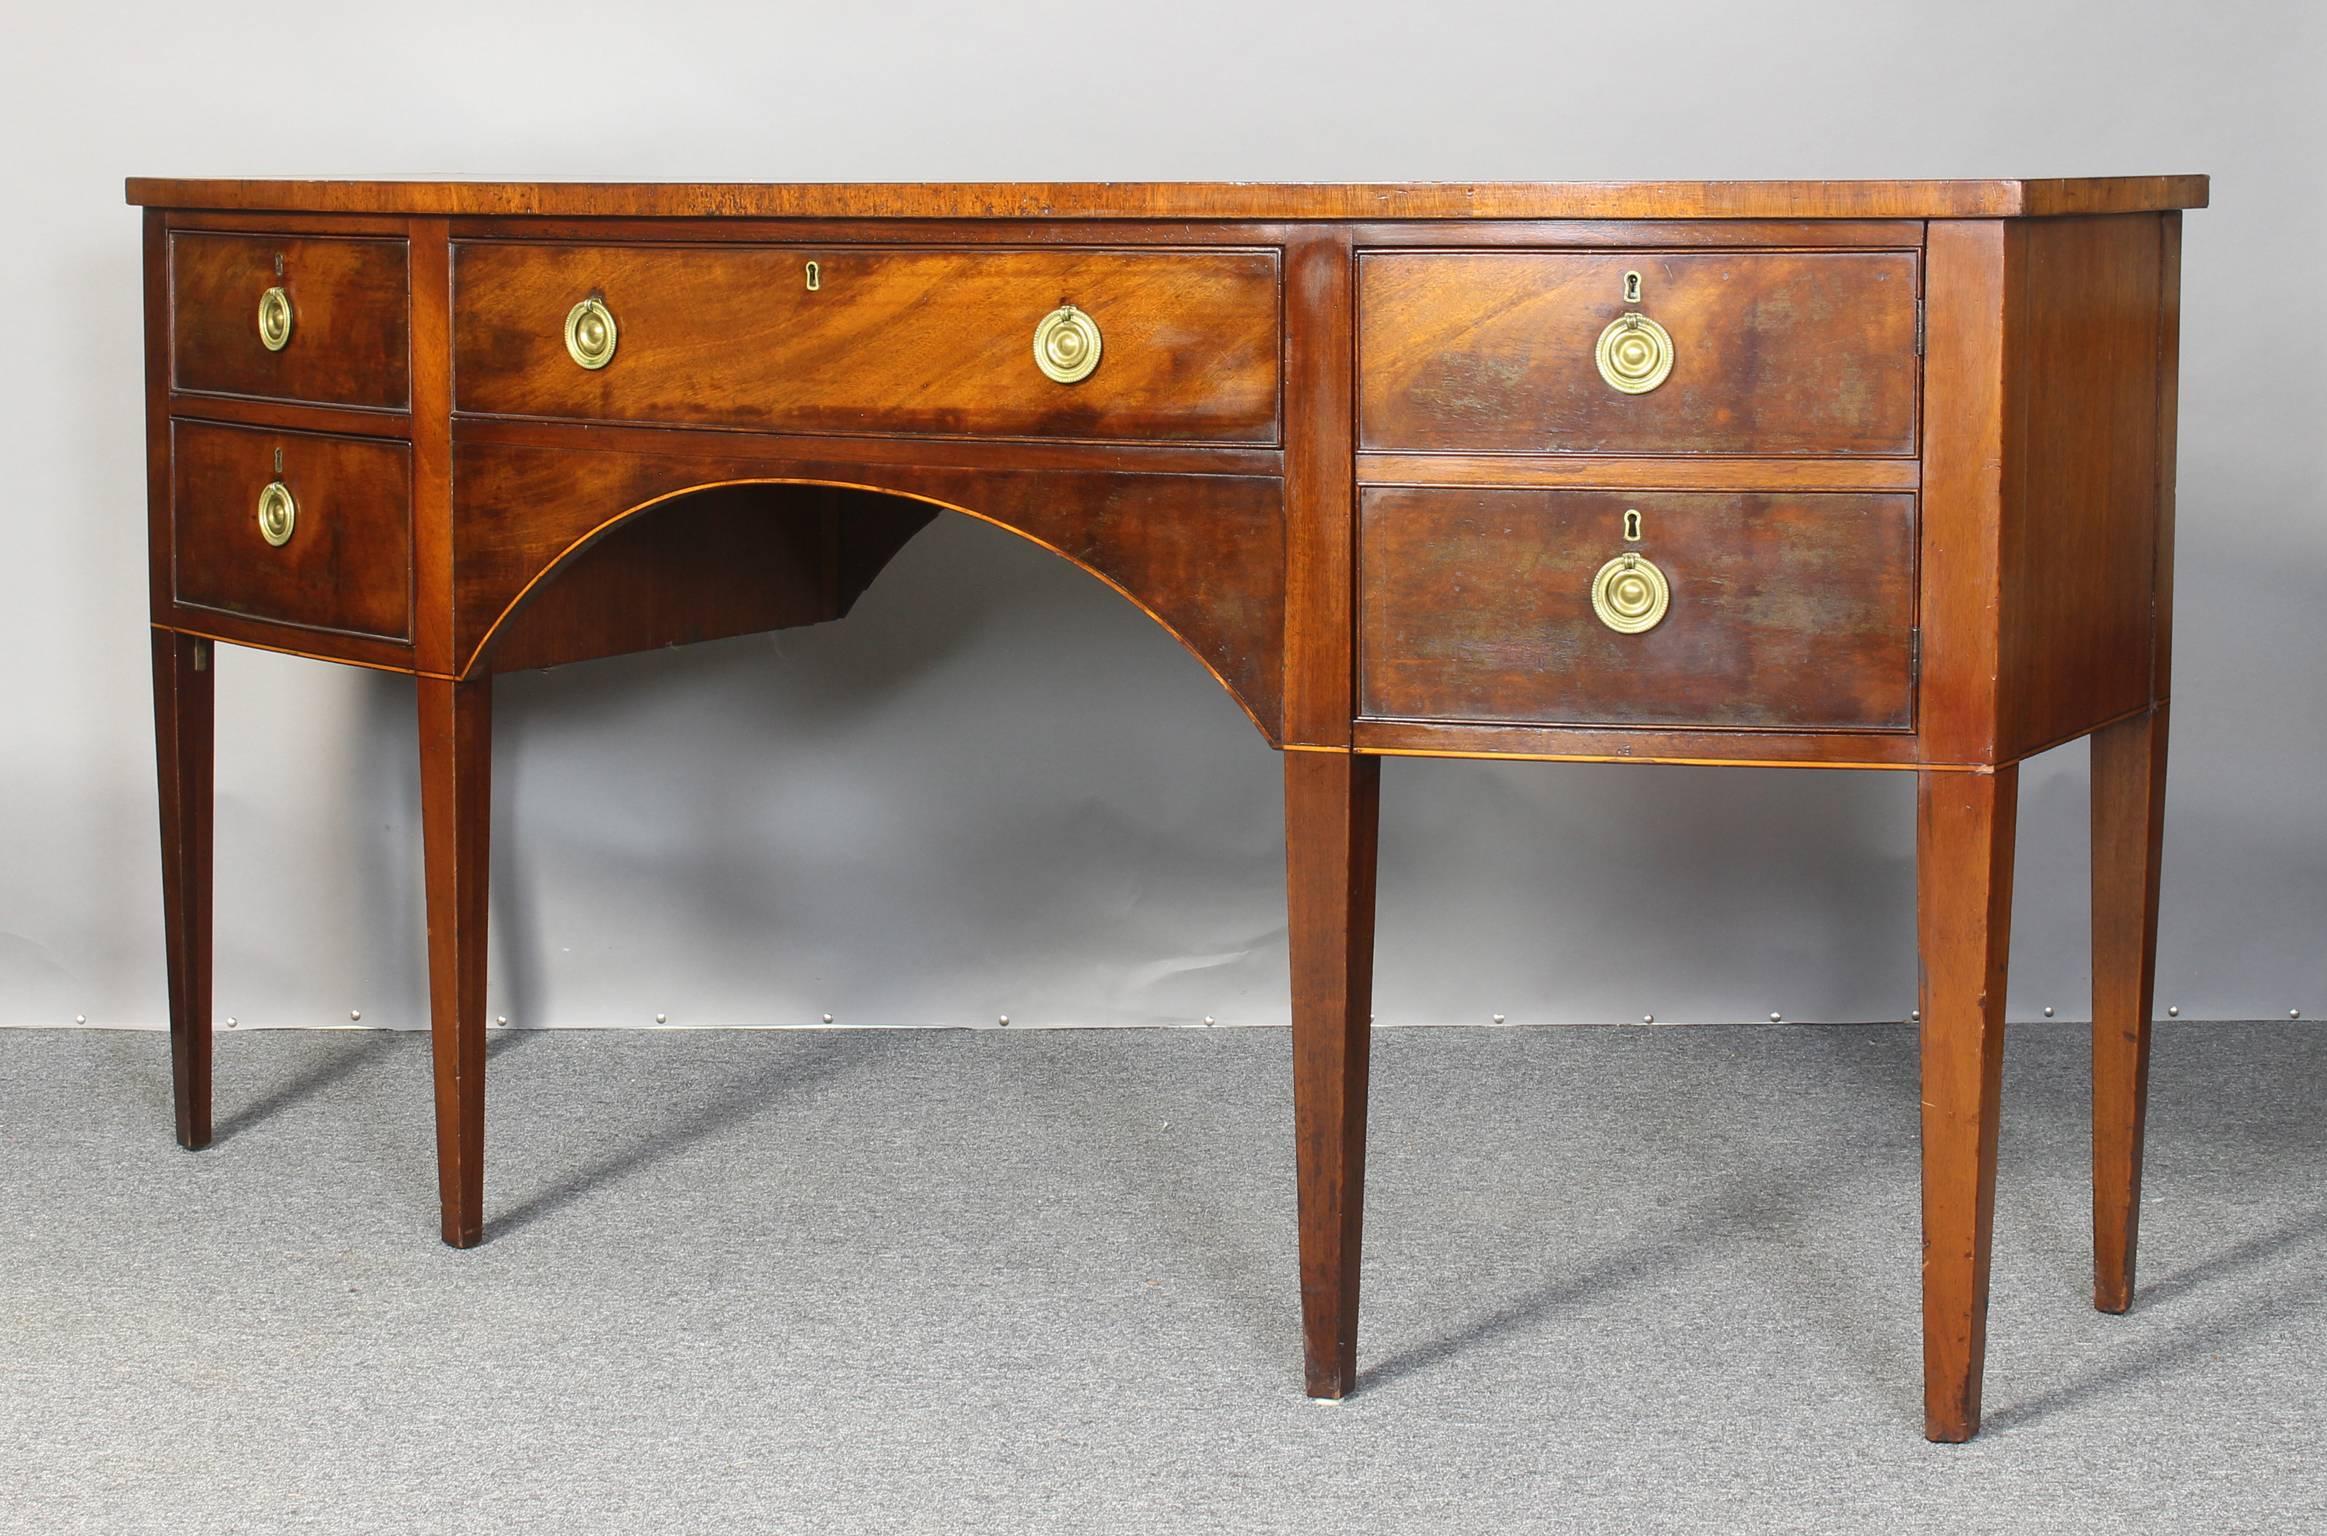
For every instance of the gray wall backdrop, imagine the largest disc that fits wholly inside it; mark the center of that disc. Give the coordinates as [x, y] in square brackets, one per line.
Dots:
[997, 788]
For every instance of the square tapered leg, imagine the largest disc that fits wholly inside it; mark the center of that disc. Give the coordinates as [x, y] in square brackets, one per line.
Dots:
[185, 694]
[456, 798]
[1332, 802]
[1963, 851]
[2128, 832]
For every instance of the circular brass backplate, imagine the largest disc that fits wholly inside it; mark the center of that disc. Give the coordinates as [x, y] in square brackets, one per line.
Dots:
[275, 319]
[278, 514]
[1635, 354]
[1630, 594]
[590, 335]
[1066, 345]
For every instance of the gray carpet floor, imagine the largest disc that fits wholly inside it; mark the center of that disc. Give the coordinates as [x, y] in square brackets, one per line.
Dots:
[1621, 1280]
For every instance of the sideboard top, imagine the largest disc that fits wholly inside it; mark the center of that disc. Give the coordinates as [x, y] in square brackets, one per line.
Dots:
[1190, 199]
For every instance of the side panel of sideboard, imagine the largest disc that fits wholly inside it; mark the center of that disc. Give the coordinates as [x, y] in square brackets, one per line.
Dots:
[2082, 445]
[2048, 479]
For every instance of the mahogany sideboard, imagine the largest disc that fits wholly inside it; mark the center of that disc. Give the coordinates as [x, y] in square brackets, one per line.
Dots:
[1858, 475]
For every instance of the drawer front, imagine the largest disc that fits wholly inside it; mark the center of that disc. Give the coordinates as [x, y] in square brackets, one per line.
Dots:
[1784, 611]
[1772, 352]
[350, 336]
[347, 563]
[911, 341]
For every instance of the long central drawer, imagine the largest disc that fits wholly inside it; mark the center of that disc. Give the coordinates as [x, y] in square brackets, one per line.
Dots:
[874, 339]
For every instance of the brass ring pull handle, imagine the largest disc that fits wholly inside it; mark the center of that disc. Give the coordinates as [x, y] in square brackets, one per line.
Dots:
[1066, 345]
[590, 336]
[1630, 594]
[278, 514]
[1635, 353]
[275, 319]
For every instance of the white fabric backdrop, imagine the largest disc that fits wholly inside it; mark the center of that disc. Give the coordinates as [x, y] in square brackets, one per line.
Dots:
[997, 788]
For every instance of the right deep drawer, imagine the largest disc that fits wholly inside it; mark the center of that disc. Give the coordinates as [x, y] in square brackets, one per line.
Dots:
[1758, 611]
[1745, 353]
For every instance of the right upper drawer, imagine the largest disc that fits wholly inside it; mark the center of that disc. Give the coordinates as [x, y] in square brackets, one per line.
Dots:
[1747, 353]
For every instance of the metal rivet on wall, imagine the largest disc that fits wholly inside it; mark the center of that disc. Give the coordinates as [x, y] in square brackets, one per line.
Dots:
[1004, 1021]
[828, 1018]
[2174, 1012]
[662, 1018]
[232, 1021]
[1209, 1021]
[1648, 1018]
[1915, 1016]
[501, 1019]
[354, 1014]
[1777, 1018]
[80, 1018]
[2048, 1013]
[1498, 1018]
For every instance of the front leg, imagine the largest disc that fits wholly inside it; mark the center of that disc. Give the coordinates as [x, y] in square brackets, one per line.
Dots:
[1963, 874]
[185, 694]
[456, 801]
[1332, 801]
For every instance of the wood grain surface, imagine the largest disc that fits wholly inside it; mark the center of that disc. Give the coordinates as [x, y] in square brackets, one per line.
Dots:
[1990, 198]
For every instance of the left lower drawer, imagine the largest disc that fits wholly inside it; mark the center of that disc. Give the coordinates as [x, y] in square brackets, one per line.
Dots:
[293, 528]
[321, 319]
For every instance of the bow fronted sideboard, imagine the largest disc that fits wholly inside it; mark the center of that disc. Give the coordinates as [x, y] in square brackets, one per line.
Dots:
[1847, 475]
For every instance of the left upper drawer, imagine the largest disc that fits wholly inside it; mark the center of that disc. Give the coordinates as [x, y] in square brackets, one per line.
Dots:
[316, 319]
[295, 528]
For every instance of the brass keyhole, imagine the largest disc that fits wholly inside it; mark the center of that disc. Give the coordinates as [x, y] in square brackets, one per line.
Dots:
[1631, 287]
[815, 275]
[1632, 524]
